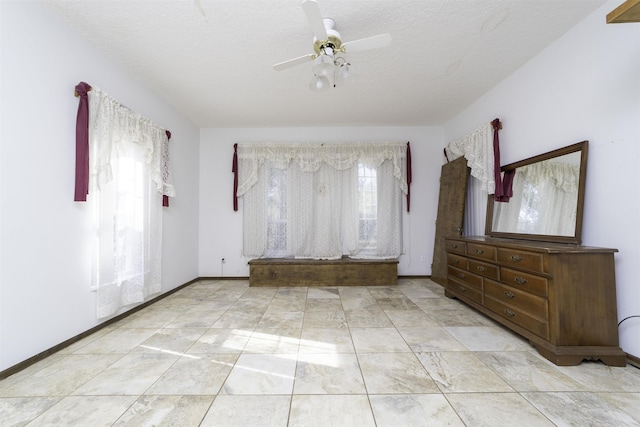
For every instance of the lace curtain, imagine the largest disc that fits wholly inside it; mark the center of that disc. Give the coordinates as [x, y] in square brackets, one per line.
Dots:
[527, 212]
[128, 175]
[322, 201]
[477, 148]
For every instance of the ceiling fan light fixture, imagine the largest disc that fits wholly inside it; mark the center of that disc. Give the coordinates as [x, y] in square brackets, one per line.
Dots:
[345, 70]
[319, 83]
[323, 65]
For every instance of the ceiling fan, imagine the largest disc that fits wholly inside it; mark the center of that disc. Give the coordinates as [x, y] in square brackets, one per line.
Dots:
[327, 44]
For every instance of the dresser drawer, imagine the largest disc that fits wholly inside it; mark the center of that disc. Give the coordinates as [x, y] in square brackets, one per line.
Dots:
[530, 323]
[463, 289]
[484, 269]
[465, 277]
[531, 304]
[456, 247]
[525, 282]
[485, 252]
[520, 259]
[458, 261]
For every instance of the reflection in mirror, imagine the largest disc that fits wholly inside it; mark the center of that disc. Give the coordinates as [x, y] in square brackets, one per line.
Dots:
[545, 198]
[547, 201]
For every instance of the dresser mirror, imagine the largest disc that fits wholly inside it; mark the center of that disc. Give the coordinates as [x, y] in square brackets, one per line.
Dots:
[548, 198]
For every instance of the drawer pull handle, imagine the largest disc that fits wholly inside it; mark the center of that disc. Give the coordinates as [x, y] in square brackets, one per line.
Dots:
[509, 294]
[462, 289]
[456, 261]
[509, 313]
[520, 280]
[481, 268]
[515, 258]
[454, 246]
[479, 251]
[461, 275]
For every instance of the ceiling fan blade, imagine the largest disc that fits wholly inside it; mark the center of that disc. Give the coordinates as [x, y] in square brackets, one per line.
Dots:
[374, 42]
[312, 10]
[292, 62]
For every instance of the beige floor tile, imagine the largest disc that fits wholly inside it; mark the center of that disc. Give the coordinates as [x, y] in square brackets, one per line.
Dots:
[627, 402]
[131, 374]
[220, 340]
[62, 377]
[198, 374]
[409, 410]
[171, 340]
[324, 319]
[118, 341]
[92, 411]
[166, 411]
[429, 339]
[599, 377]
[328, 374]
[274, 340]
[526, 371]
[388, 373]
[262, 374]
[461, 371]
[370, 318]
[580, 409]
[326, 340]
[18, 411]
[378, 340]
[496, 410]
[244, 411]
[331, 410]
[487, 338]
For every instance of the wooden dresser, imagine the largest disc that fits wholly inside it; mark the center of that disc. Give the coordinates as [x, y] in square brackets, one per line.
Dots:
[561, 297]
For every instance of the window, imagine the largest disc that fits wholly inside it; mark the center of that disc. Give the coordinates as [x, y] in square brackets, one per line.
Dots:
[367, 207]
[322, 201]
[277, 212]
[128, 175]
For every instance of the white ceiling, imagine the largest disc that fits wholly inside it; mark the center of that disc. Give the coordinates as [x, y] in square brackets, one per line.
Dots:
[212, 59]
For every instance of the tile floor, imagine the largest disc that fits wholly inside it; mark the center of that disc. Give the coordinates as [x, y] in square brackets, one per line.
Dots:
[219, 353]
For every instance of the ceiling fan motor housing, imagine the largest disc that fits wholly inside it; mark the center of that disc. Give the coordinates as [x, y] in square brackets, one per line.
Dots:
[334, 42]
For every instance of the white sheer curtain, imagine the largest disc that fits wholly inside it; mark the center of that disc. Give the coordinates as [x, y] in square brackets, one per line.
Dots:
[322, 201]
[128, 176]
[477, 148]
[527, 212]
[475, 208]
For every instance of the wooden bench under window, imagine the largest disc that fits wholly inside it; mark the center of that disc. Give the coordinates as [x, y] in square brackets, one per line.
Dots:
[333, 272]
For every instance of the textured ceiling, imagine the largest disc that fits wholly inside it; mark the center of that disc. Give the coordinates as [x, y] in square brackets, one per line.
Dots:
[212, 59]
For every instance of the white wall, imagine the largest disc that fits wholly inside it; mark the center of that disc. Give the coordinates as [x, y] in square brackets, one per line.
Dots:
[584, 86]
[45, 266]
[221, 227]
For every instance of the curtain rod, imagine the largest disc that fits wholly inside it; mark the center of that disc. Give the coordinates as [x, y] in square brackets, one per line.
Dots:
[75, 92]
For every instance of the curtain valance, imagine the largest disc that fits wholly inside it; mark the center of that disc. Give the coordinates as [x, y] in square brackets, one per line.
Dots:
[103, 119]
[310, 157]
[564, 176]
[477, 148]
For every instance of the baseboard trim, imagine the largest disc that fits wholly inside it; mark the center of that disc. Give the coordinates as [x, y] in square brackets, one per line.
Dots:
[633, 360]
[42, 355]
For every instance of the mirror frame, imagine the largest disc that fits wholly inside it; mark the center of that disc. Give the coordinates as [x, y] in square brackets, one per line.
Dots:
[576, 239]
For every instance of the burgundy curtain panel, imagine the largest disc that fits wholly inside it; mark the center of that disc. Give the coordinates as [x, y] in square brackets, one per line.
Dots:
[165, 198]
[82, 143]
[504, 189]
[234, 169]
[408, 177]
